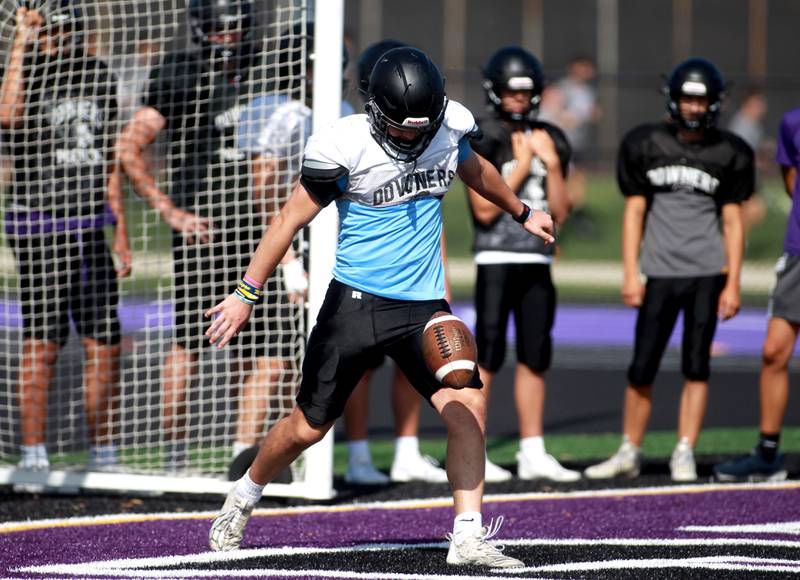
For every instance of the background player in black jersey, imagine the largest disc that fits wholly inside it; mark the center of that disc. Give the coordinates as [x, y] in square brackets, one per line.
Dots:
[57, 104]
[197, 97]
[684, 181]
[513, 269]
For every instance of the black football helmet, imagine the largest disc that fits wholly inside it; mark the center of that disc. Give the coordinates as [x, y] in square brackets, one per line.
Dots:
[234, 17]
[695, 77]
[514, 69]
[368, 58]
[406, 91]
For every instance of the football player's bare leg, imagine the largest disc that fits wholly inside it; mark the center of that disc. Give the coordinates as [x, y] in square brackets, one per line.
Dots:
[694, 400]
[100, 381]
[284, 442]
[260, 377]
[464, 415]
[35, 374]
[529, 398]
[638, 407]
[407, 405]
[179, 369]
[774, 381]
[356, 411]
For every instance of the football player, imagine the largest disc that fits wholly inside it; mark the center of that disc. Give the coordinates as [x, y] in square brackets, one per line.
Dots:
[766, 462]
[196, 98]
[58, 107]
[409, 464]
[513, 269]
[684, 181]
[387, 172]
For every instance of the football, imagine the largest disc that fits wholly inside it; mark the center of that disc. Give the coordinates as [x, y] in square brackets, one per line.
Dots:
[449, 350]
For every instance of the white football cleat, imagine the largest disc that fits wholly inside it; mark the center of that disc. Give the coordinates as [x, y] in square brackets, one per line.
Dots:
[682, 465]
[417, 468]
[495, 474]
[475, 550]
[227, 529]
[544, 466]
[626, 461]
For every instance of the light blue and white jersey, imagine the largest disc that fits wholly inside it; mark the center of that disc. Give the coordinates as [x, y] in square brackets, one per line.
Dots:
[390, 220]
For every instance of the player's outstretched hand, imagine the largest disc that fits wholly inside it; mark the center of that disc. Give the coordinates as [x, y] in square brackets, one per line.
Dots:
[230, 316]
[190, 225]
[541, 224]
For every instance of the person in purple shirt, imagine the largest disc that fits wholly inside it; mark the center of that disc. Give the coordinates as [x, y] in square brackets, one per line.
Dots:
[765, 462]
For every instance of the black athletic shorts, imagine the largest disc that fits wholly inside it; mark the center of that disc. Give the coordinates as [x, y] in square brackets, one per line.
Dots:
[63, 275]
[664, 299]
[526, 290]
[353, 329]
[204, 274]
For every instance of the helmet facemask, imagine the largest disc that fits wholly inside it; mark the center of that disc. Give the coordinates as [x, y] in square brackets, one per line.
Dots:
[402, 150]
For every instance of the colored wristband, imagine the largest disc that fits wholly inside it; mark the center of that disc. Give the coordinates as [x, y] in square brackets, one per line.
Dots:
[526, 213]
[248, 293]
[252, 282]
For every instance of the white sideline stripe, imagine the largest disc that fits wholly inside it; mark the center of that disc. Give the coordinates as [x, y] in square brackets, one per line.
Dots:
[730, 563]
[791, 528]
[153, 567]
[9, 527]
[439, 319]
[456, 365]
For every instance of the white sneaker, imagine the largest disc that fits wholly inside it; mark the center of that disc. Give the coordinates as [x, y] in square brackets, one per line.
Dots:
[364, 473]
[544, 466]
[475, 550]
[495, 474]
[228, 527]
[419, 468]
[682, 466]
[35, 462]
[103, 458]
[626, 461]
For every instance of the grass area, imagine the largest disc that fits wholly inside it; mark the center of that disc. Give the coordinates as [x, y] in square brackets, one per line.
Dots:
[584, 447]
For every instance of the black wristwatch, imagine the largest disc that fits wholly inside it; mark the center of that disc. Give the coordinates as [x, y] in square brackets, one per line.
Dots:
[526, 213]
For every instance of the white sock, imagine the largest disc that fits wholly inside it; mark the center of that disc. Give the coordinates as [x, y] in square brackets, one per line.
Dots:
[532, 446]
[176, 452]
[238, 447]
[358, 451]
[406, 447]
[33, 452]
[465, 525]
[248, 490]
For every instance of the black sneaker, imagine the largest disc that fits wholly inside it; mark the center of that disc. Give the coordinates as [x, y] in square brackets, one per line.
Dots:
[751, 467]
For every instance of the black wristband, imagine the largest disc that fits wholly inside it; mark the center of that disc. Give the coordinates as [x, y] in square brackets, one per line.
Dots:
[526, 213]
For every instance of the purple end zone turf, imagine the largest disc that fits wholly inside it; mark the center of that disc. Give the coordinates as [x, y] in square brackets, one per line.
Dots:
[643, 516]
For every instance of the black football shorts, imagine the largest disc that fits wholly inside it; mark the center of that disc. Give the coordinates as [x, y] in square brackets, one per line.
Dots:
[353, 329]
[664, 299]
[526, 290]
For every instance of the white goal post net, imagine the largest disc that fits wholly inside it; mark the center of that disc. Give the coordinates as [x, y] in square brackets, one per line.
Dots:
[177, 125]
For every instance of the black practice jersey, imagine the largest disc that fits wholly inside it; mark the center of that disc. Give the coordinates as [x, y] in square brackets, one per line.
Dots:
[505, 234]
[63, 146]
[202, 106]
[685, 184]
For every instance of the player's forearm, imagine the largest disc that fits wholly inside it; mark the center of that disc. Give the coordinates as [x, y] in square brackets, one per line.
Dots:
[115, 198]
[789, 179]
[12, 91]
[481, 176]
[135, 167]
[632, 225]
[557, 199]
[733, 235]
[518, 176]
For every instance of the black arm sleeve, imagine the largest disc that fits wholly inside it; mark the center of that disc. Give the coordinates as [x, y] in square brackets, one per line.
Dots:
[324, 182]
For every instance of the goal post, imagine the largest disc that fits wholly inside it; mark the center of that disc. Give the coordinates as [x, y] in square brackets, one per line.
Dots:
[140, 406]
